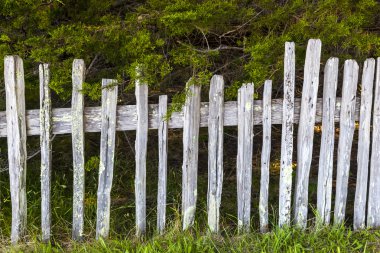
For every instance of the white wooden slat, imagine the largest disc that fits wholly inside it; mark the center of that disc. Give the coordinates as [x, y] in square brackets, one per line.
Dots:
[326, 154]
[215, 151]
[346, 134]
[107, 153]
[306, 131]
[286, 170]
[265, 157]
[364, 144]
[190, 155]
[244, 156]
[16, 140]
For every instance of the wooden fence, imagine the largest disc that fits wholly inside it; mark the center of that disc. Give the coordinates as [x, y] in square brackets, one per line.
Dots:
[17, 123]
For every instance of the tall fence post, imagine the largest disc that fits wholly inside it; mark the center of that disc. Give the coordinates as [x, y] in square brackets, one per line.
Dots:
[46, 147]
[215, 151]
[191, 120]
[107, 156]
[346, 134]
[77, 128]
[16, 139]
[326, 154]
[286, 170]
[244, 156]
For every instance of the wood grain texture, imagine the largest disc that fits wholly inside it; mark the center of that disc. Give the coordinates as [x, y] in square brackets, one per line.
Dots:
[288, 111]
[373, 213]
[16, 140]
[46, 148]
[107, 155]
[346, 134]
[141, 92]
[77, 129]
[162, 162]
[265, 157]
[244, 156]
[306, 131]
[364, 144]
[215, 151]
[190, 155]
[326, 154]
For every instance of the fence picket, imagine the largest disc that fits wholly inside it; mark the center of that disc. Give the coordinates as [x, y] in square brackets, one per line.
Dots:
[306, 131]
[373, 213]
[346, 134]
[326, 154]
[265, 156]
[46, 147]
[141, 92]
[215, 151]
[16, 140]
[191, 114]
[363, 143]
[107, 151]
[162, 162]
[286, 170]
[244, 156]
[77, 129]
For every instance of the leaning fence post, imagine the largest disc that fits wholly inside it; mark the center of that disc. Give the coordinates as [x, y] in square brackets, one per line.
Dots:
[326, 154]
[16, 138]
[244, 156]
[346, 134]
[286, 171]
[364, 143]
[46, 154]
[215, 151]
[191, 121]
[77, 129]
[107, 151]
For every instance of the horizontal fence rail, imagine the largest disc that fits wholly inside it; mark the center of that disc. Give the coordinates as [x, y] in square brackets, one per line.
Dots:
[16, 123]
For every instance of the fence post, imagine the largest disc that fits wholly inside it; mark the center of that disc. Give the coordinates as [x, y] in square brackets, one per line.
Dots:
[265, 156]
[347, 127]
[141, 92]
[373, 215]
[244, 156]
[215, 151]
[162, 162]
[107, 155]
[16, 138]
[363, 143]
[286, 171]
[46, 147]
[77, 129]
[326, 156]
[191, 121]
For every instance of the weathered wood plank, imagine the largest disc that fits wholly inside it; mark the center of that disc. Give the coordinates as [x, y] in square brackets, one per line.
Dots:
[244, 156]
[16, 132]
[288, 110]
[364, 143]
[126, 118]
[77, 129]
[190, 155]
[46, 147]
[306, 131]
[265, 157]
[346, 134]
[373, 213]
[107, 153]
[141, 92]
[215, 151]
[162, 162]
[326, 154]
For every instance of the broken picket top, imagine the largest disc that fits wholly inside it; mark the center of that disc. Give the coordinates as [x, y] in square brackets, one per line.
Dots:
[17, 123]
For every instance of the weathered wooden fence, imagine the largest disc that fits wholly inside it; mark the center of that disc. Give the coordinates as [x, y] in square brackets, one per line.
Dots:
[17, 123]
